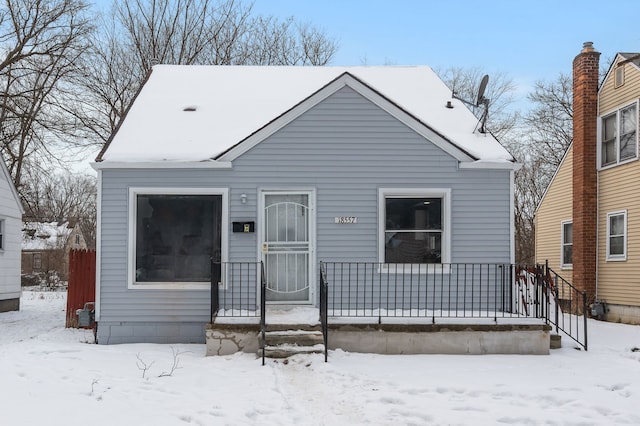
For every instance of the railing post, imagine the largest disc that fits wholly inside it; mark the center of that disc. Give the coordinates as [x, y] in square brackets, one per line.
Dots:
[584, 315]
[263, 309]
[215, 289]
[555, 298]
[324, 309]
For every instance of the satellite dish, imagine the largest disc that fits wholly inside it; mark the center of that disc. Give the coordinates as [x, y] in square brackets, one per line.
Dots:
[480, 100]
[483, 87]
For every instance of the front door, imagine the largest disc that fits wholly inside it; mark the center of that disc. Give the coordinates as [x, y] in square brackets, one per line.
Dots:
[287, 246]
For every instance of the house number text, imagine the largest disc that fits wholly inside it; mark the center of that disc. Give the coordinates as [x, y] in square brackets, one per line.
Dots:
[344, 220]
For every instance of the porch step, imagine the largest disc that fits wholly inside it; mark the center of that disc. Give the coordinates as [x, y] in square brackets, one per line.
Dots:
[285, 351]
[299, 338]
[285, 342]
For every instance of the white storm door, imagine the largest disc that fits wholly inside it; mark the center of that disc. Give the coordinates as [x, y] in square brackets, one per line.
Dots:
[287, 246]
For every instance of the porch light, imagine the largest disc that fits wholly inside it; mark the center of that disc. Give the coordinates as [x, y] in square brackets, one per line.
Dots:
[243, 198]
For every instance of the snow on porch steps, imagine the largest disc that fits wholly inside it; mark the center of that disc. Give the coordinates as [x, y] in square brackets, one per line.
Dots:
[288, 340]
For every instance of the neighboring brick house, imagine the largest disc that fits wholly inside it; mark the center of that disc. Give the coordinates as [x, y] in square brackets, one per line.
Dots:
[46, 245]
[588, 222]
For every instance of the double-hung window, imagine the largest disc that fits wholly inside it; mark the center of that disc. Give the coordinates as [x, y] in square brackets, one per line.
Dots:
[619, 136]
[567, 245]
[617, 235]
[414, 226]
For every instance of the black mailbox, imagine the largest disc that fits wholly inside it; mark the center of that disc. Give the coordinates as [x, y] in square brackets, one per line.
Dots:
[244, 226]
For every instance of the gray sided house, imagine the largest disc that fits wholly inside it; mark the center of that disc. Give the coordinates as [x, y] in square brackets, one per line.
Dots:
[291, 167]
[10, 225]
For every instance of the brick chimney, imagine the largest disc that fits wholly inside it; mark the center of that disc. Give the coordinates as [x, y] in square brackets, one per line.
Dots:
[585, 136]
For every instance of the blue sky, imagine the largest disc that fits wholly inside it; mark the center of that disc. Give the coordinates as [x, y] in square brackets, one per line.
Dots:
[527, 40]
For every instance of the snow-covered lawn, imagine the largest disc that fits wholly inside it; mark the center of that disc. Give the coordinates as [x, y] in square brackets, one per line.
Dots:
[50, 375]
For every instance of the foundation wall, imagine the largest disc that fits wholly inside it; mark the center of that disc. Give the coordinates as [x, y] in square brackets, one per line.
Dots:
[403, 339]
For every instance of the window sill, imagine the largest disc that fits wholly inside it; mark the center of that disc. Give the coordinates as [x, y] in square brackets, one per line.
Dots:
[566, 267]
[616, 258]
[623, 162]
[170, 286]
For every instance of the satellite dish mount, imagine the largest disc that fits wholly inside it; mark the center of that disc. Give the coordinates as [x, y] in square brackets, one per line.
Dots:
[480, 100]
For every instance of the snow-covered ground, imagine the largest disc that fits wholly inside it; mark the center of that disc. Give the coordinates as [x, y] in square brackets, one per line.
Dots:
[56, 376]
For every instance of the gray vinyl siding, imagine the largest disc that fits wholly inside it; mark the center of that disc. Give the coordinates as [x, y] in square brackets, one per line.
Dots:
[345, 149]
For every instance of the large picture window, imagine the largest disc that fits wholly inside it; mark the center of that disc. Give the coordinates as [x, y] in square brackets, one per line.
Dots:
[567, 245]
[617, 235]
[414, 226]
[619, 136]
[175, 236]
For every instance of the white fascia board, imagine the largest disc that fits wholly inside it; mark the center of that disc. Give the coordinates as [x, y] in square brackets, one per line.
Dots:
[340, 82]
[495, 165]
[102, 165]
[12, 187]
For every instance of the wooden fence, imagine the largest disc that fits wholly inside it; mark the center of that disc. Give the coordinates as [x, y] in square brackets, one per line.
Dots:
[82, 283]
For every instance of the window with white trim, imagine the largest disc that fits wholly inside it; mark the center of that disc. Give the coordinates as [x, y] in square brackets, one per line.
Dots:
[567, 245]
[619, 76]
[414, 226]
[174, 236]
[619, 136]
[617, 235]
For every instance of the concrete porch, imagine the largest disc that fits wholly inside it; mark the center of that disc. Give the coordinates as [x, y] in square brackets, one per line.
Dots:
[391, 336]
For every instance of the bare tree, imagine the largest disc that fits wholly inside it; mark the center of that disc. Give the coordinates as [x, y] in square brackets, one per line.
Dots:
[541, 144]
[550, 121]
[140, 33]
[41, 40]
[59, 197]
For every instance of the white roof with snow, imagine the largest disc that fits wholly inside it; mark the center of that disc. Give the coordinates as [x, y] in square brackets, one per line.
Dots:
[233, 102]
[45, 235]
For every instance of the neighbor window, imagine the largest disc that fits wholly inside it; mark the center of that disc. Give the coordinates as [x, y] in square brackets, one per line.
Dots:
[37, 261]
[414, 226]
[619, 76]
[617, 236]
[175, 236]
[619, 136]
[77, 239]
[567, 245]
[1, 234]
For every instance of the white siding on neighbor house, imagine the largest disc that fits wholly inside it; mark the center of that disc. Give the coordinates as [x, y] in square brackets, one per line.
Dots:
[11, 214]
[345, 149]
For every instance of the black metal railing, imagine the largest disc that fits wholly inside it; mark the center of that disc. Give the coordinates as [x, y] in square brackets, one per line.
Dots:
[570, 308]
[324, 303]
[361, 289]
[378, 290]
[234, 289]
[457, 290]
